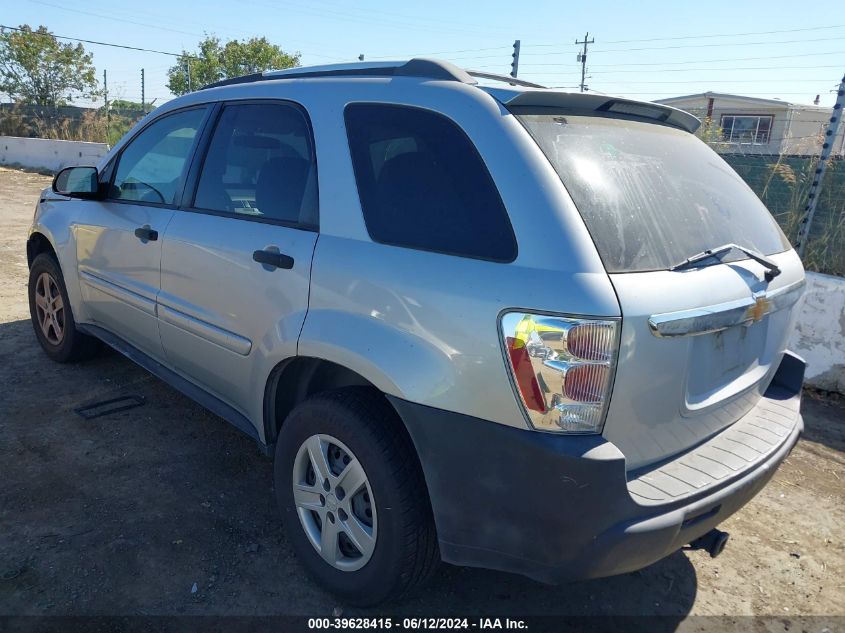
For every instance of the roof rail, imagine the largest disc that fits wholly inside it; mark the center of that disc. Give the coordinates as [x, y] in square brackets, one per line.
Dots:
[504, 78]
[417, 67]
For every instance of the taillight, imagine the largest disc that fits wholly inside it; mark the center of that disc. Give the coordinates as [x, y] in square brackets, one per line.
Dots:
[523, 374]
[562, 368]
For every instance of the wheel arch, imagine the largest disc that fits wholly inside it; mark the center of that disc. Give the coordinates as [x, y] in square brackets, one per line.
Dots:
[39, 243]
[295, 379]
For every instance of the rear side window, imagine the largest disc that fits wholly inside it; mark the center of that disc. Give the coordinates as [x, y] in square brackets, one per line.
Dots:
[260, 164]
[423, 184]
[650, 195]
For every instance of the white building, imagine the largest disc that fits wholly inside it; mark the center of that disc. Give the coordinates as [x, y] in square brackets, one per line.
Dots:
[762, 126]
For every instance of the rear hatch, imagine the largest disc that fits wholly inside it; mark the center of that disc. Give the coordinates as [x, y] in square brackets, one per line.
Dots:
[699, 343]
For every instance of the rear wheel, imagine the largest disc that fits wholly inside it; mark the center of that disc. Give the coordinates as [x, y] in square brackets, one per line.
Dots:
[353, 497]
[51, 314]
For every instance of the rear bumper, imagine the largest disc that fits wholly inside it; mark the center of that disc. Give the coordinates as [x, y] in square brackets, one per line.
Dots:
[560, 508]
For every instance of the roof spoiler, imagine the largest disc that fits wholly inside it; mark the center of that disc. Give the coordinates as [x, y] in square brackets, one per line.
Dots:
[588, 103]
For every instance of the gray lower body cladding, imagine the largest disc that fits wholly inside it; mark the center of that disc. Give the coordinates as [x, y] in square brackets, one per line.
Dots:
[558, 508]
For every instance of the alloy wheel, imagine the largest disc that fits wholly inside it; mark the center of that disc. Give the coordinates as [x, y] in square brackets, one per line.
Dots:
[50, 308]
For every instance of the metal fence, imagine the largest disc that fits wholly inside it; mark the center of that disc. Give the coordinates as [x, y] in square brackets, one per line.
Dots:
[783, 183]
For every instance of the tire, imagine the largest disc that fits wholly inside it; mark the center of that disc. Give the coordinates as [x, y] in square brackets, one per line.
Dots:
[61, 341]
[405, 552]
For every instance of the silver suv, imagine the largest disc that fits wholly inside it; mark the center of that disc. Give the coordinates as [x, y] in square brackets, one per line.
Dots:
[505, 327]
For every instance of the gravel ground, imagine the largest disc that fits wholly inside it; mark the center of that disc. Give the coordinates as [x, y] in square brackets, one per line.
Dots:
[125, 514]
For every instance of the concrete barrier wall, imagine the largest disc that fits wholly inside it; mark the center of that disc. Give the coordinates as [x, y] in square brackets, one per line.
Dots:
[819, 334]
[47, 154]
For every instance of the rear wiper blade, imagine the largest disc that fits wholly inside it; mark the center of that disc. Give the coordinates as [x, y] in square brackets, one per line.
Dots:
[772, 269]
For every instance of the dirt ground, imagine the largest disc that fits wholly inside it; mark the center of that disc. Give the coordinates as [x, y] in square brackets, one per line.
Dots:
[125, 514]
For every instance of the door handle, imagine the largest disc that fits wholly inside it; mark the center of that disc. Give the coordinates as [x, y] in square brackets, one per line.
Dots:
[274, 259]
[145, 233]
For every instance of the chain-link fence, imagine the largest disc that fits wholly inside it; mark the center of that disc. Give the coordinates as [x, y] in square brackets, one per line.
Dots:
[782, 183]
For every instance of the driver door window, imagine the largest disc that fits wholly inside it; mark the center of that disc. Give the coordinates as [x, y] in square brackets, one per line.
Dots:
[151, 167]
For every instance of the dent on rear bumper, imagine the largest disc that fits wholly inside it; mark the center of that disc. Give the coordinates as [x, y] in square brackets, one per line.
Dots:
[558, 508]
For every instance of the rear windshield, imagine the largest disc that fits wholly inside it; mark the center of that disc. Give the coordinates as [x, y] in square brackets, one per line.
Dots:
[651, 195]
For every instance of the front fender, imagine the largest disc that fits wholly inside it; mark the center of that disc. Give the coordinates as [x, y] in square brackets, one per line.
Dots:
[54, 222]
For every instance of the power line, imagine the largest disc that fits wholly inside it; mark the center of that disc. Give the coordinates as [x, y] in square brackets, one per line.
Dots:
[625, 92]
[680, 46]
[711, 35]
[687, 70]
[466, 50]
[116, 19]
[530, 63]
[722, 45]
[730, 111]
[79, 39]
[367, 18]
[157, 17]
[151, 26]
[724, 59]
[674, 70]
[717, 81]
[436, 21]
[557, 45]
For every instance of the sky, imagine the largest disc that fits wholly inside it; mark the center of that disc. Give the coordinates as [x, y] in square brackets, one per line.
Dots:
[647, 50]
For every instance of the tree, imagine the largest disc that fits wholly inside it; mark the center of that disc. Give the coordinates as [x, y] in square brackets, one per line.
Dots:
[36, 68]
[215, 61]
[134, 106]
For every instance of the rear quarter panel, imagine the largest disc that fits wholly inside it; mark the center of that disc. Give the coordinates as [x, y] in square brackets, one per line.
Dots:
[424, 326]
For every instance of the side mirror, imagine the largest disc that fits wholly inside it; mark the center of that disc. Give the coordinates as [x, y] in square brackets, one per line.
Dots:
[78, 182]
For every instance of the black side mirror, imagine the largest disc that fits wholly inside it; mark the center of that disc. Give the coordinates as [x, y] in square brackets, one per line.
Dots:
[78, 182]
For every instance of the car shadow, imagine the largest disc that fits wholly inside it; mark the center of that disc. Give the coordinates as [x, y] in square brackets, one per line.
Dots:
[666, 589]
[165, 509]
[824, 419]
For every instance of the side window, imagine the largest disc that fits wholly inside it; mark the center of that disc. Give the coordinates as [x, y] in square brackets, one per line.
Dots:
[260, 163]
[423, 184]
[151, 166]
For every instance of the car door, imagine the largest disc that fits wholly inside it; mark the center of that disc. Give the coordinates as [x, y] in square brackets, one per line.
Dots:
[236, 259]
[117, 239]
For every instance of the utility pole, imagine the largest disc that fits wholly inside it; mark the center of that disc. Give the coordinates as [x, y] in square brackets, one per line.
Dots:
[106, 98]
[515, 62]
[582, 57]
[815, 189]
[143, 109]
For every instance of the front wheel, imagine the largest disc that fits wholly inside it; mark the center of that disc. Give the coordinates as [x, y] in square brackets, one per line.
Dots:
[51, 314]
[352, 496]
